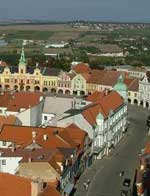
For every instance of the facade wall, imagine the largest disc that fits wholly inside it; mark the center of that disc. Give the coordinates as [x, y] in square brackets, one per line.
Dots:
[109, 131]
[36, 114]
[78, 84]
[9, 164]
[46, 118]
[4, 144]
[78, 120]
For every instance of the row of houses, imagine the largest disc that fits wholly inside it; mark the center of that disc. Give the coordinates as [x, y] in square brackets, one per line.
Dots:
[142, 177]
[58, 150]
[80, 80]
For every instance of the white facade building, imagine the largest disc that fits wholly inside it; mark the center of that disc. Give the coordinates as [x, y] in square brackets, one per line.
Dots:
[144, 92]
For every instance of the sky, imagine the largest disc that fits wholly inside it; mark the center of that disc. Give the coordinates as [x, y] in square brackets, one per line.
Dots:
[66, 10]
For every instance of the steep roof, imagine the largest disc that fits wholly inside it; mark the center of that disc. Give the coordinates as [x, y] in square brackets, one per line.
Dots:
[132, 84]
[104, 77]
[112, 101]
[14, 185]
[7, 120]
[50, 190]
[82, 68]
[22, 136]
[97, 95]
[37, 155]
[76, 134]
[18, 100]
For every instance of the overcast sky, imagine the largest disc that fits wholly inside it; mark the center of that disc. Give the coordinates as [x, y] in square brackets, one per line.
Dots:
[103, 10]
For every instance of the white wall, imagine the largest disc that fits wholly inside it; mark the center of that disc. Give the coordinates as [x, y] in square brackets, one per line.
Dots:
[5, 146]
[49, 118]
[78, 120]
[11, 166]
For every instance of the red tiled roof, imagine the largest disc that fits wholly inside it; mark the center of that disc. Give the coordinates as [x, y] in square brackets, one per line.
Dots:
[96, 96]
[7, 120]
[104, 77]
[132, 84]
[47, 154]
[76, 134]
[11, 185]
[22, 136]
[18, 100]
[82, 68]
[112, 101]
[50, 191]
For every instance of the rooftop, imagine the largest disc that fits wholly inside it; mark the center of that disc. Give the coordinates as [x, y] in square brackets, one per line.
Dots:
[18, 100]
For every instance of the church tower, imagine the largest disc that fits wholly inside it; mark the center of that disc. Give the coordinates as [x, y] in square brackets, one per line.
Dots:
[121, 87]
[22, 63]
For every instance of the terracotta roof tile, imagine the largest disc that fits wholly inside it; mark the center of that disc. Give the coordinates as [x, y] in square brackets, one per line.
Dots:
[7, 120]
[132, 84]
[18, 100]
[22, 136]
[76, 134]
[96, 96]
[50, 191]
[11, 185]
[37, 155]
[82, 68]
[104, 77]
[109, 102]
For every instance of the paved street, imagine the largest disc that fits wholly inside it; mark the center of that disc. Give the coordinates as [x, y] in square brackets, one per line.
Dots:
[103, 174]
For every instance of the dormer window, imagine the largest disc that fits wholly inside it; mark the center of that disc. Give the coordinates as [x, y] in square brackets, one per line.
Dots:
[22, 71]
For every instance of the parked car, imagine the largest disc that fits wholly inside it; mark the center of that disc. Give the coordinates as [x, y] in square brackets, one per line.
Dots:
[124, 193]
[127, 182]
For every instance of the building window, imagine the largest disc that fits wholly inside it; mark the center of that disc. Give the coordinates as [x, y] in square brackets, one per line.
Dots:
[22, 71]
[3, 162]
[15, 80]
[4, 143]
[6, 80]
[27, 81]
[45, 117]
[37, 81]
[1, 111]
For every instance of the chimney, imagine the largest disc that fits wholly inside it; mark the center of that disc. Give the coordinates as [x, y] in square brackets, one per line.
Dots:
[45, 137]
[55, 132]
[30, 160]
[37, 186]
[33, 136]
[13, 148]
[61, 168]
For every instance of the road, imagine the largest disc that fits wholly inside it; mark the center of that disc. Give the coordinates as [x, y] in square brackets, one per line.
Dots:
[103, 174]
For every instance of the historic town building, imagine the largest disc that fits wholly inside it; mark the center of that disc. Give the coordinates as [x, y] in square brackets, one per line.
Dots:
[144, 91]
[24, 78]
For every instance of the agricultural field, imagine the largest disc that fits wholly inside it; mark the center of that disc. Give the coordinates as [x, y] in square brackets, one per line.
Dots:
[82, 42]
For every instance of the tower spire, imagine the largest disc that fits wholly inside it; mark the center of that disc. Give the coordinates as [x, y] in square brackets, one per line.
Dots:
[22, 57]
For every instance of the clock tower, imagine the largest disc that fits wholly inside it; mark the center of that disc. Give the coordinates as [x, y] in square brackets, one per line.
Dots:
[22, 62]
